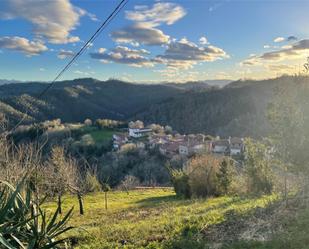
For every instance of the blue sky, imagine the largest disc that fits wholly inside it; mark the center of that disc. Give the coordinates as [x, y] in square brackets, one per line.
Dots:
[151, 41]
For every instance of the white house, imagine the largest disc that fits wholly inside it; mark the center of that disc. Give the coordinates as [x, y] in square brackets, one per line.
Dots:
[191, 148]
[220, 146]
[136, 132]
[236, 146]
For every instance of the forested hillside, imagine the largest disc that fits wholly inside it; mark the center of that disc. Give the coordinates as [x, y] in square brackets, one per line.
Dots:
[75, 100]
[238, 109]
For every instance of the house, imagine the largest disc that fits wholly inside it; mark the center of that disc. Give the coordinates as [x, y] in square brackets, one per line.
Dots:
[191, 148]
[156, 140]
[119, 140]
[184, 150]
[236, 146]
[139, 132]
[220, 146]
[169, 149]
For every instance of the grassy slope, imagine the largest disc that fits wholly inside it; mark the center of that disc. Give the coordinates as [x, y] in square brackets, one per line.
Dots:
[99, 136]
[291, 232]
[153, 218]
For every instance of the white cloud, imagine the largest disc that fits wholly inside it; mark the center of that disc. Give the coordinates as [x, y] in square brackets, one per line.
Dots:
[124, 55]
[42, 69]
[102, 50]
[286, 47]
[146, 20]
[22, 45]
[279, 39]
[52, 20]
[282, 68]
[288, 52]
[185, 54]
[266, 46]
[138, 33]
[83, 73]
[63, 54]
[159, 13]
[93, 17]
[203, 40]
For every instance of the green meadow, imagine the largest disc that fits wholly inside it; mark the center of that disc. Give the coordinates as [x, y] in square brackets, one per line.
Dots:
[156, 218]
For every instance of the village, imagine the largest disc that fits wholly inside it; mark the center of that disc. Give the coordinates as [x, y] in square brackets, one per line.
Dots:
[170, 143]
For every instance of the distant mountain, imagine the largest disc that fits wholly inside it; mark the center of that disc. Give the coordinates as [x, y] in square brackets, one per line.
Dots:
[216, 83]
[199, 85]
[78, 99]
[3, 81]
[237, 109]
[190, 86]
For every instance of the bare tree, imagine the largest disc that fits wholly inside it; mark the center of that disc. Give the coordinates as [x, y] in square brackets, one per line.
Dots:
[63, 174]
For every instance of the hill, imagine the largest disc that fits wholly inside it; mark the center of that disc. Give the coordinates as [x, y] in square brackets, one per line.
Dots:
[75, 100]
[238, 109]
[199, 85]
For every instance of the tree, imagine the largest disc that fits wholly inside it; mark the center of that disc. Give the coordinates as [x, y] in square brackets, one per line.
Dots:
[225, 175]
[64, 175]
[129, 183]
[258, 167]
[168, 129]
[91, 183]
[180, 182]
[136, 125]
[202, 171]
[289, 117]
[105, 188]
[88, 122]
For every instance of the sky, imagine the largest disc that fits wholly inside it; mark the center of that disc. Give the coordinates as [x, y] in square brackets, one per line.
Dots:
[154, 41]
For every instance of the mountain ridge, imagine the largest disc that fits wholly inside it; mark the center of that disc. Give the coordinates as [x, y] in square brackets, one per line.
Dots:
[237, 109]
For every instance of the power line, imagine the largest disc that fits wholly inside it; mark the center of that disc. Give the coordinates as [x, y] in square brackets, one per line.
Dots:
[114, 13]
[119, 7]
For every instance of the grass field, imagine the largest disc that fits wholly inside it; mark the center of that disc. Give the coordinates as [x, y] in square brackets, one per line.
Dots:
[99, 136]
[155, 218]
[102, 136]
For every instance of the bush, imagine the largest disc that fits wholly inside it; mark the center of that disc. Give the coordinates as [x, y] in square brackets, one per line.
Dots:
[180, 182]
[128, 183]
[91, 183]
[202, 173]
[24, 225]
[204, 176]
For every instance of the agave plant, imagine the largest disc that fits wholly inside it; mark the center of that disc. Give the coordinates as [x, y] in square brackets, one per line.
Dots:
[21, 227]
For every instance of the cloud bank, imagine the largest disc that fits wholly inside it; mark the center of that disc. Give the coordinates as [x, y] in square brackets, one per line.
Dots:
[51, 20]
[294, 51]
[184, 54]
[23, 45]
[124, 55]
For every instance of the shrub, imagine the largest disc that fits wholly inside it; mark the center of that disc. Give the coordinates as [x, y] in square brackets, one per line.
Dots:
[204, 176]
[129, 183]
[202, 173]
[24, 225]
[91, 183]
[180, 182]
